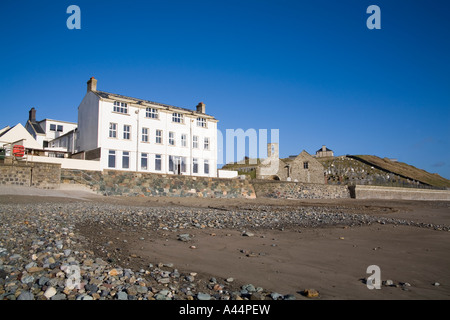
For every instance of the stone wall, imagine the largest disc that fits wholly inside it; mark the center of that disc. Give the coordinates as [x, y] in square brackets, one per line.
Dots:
[114, 182]
[40, 175]
[151, 184]
[376, 192]
[299, 190]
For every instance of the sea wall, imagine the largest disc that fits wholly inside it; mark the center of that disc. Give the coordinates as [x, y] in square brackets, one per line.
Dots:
[376, 192]
[125, 183]
[299, 190]
[40, 175]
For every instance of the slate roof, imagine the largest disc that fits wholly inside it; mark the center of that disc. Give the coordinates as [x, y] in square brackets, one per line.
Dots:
[320, 150]
[37, 128]
[107, 95]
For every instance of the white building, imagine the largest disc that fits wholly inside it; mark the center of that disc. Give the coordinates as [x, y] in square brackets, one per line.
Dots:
[46, 130]
[138, 135]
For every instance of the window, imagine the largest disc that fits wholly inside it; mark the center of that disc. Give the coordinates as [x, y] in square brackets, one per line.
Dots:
[183, 140]
[120, 107]
[53, 127]
[151, 113]
[158, 136]
[59, 128]
[305, 165]
[171, 163]
[144, 134]
[125, 160]
[194, 165]
[112, 130]
[144, 161]
[206, 166]
[183, 164]
[112, 159]
[171, 138]
[177, 117]
[195, 142]
[126, 132]
[206, 144]
[201, 122]
[157, 162]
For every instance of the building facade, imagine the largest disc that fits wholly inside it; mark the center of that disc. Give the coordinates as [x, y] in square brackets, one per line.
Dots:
[324, 152]
[132, 134]
[46, 130]
[302, 168]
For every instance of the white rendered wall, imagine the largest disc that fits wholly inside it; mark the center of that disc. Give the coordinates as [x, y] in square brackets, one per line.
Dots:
[88, 123]
[136, 119]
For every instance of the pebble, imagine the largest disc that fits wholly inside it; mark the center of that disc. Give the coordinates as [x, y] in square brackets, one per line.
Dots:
[203, 296]
[36, 258]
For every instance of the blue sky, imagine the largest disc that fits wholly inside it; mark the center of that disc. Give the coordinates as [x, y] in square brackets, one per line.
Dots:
[311, 69]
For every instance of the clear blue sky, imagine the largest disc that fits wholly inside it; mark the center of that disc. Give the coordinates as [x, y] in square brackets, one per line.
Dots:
[311, 69]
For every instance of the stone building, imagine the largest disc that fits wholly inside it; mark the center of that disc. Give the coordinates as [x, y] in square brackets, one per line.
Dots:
[324, 152]
[302, 168]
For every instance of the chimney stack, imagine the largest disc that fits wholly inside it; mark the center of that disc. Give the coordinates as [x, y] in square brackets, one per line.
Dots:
[92, 84]
[201, 107]
[324, 148]
[32, 115]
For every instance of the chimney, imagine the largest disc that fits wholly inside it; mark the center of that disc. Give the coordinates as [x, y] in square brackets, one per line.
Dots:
[324, 148]
[32, 115]
[92, 84]
[201, 107]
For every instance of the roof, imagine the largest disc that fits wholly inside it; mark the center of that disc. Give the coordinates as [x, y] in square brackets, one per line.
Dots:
[19, 133]
[107, 95]
[36, 127]
[326, 149]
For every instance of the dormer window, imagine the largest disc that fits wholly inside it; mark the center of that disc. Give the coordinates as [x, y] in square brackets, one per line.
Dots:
[201, 122]
[120, 107]
[177, 117]
[151, 113]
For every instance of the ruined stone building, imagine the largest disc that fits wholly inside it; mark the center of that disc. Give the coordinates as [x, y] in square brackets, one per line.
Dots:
[302, 168]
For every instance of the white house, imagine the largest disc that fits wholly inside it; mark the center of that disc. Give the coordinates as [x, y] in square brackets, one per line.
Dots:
[139, 135]
[18, 135]
[46, 130]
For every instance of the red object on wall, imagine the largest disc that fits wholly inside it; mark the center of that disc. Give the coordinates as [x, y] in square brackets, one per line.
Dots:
[18, 151]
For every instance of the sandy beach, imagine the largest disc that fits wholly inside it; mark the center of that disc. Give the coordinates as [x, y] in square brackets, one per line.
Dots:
[289, 258]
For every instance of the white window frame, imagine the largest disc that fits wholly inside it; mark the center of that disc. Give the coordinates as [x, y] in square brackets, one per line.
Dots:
[127, 132]
[184, 140]
[206, 166]
[125, 154]
[112, 153]
[201, 122]
[195, 142]
[145, 137]
[144, 156]
[151, 113]
[158, 162]
[177, 117]
[112, 130]
[206, 143]
[171, 138]
[159, 137]
[120, 107]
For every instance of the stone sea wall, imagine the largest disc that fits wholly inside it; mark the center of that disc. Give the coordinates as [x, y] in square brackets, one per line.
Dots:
[299, 190]
[40, 175]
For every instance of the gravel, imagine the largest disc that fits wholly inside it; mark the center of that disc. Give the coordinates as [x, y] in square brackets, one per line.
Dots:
[42, 250]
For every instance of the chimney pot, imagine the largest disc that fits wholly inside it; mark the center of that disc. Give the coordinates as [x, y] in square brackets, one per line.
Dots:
[201, 107]
[92, 84]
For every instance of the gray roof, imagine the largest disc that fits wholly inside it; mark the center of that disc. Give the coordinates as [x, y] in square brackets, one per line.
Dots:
[107, 95]
[326, 149]
[37, 128]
